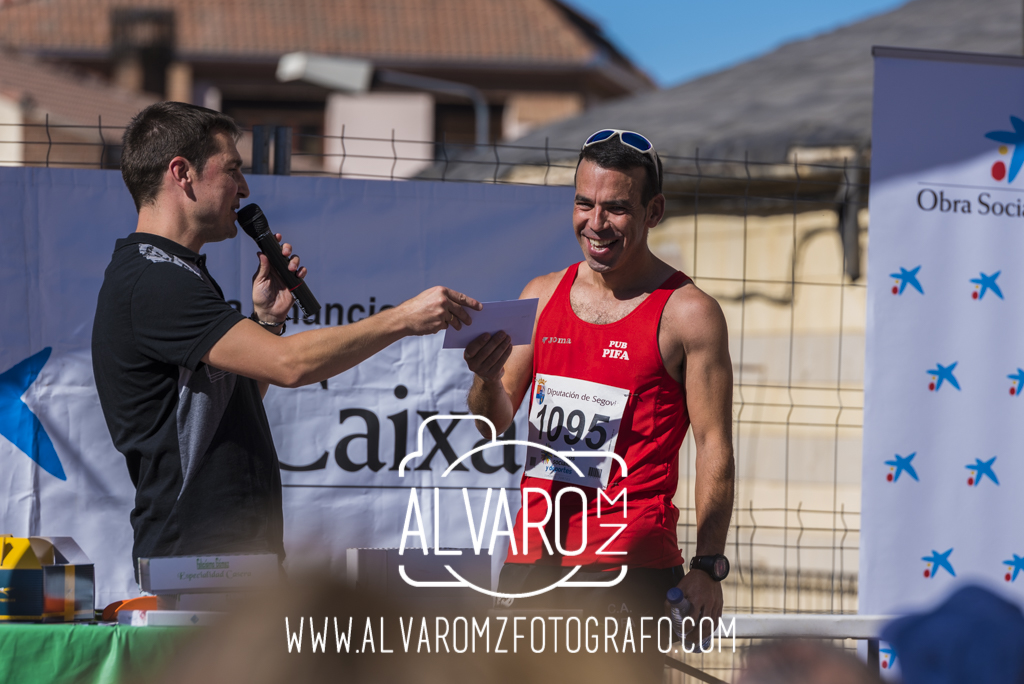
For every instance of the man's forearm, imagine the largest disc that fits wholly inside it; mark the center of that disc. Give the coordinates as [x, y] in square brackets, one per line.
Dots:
[305, 358]
[490, 399]
[713, 495]
[317, 355]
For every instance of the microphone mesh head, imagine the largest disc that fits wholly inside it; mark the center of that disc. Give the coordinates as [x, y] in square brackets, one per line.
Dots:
[252, 220]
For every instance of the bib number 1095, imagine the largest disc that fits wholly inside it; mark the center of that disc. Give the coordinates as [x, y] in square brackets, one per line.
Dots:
[576, 418]
[573, 427]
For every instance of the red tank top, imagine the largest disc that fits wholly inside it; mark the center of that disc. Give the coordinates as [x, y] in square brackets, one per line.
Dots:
[591, 384]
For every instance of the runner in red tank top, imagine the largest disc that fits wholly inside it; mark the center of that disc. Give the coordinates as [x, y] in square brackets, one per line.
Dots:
[626, 353]
[647, 426]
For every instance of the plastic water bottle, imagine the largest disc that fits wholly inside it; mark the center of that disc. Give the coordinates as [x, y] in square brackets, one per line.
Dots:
[678, 607]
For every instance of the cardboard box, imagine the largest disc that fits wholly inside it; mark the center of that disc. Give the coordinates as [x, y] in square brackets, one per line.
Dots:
[47, 579]
[199, 574]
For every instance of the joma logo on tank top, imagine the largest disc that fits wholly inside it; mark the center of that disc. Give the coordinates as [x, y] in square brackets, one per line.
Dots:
[615, 350]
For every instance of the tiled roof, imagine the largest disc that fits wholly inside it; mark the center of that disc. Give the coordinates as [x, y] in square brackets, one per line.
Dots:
[504, 31]
[815, 92]
[69, 98]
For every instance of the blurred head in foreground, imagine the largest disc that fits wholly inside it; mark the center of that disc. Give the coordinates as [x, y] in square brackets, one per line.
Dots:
[795, 661]
[974, 636]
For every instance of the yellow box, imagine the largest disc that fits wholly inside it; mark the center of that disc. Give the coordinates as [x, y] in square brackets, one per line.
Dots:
[48, 579]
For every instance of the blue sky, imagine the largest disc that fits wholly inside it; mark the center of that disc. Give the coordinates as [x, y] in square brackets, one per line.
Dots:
[678, 40]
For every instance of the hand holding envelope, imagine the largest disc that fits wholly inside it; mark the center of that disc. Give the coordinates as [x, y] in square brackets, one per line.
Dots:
[495, 329]
[515, 317]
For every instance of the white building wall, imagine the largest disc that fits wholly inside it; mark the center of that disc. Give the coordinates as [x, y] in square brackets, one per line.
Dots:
[12, 151]
[408, 118]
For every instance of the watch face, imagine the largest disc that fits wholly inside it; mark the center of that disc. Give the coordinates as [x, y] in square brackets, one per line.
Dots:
[721, 567]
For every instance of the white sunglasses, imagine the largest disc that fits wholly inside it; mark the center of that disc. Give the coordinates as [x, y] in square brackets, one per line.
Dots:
[629, 139]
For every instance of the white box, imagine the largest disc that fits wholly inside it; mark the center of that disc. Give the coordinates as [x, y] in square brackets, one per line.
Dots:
[167, 618]
[220, 573]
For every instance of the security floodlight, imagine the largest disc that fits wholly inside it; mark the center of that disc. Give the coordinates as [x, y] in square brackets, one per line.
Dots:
[336, 73]
[355, 76]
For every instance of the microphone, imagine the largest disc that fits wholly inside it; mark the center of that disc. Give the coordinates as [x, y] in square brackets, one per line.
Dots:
[254, 223]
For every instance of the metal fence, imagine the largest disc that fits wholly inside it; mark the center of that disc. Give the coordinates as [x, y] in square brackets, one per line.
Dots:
[779, 245]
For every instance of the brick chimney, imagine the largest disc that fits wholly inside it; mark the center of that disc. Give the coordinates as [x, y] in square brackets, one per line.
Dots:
[142, 45]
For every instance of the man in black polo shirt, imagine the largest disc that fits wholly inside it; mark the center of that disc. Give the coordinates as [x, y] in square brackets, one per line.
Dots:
[181, 374]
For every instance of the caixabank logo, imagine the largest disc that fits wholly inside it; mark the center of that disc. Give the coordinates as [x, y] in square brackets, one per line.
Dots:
[1017, 378]
[18, 424]
[1013, 567]
[985, 283]
[899, 465]
[936, 562]
[501, 525]
[1013, 138]
[941, 375]
[888, 658]
[980, 470]
[946, 198]
[905, 278]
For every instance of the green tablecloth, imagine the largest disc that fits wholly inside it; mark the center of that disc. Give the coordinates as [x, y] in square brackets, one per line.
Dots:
[74, 654]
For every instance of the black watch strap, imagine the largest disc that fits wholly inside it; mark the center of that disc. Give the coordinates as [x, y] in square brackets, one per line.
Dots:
[717, 566]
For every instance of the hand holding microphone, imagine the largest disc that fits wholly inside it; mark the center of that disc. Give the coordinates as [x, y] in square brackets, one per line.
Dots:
[255, 224]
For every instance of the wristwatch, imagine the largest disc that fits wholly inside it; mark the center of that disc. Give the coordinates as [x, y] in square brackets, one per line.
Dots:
[716, 566]
[267, 325]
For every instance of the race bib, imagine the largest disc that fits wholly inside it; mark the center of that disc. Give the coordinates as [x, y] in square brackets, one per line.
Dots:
[578, 416]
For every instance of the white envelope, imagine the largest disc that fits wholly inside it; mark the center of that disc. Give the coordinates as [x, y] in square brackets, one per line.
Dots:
[514, 316]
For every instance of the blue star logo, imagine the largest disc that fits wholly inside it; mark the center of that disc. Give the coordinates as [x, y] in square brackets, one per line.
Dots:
[981, 469]
[1015, 138]
[17, 422]
[901, 464]
[984, 282]
[1017, 564]
[1018, 382]
[904, 278]
[942, 374]
[939, 561]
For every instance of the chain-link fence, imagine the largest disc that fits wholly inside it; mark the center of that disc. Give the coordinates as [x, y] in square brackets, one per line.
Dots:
[779, 245]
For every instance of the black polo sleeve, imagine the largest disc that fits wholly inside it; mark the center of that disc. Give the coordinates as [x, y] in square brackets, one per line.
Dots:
[177, 315]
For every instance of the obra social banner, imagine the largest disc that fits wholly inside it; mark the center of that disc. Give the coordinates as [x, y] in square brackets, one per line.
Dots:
[942, 473]
[368, 245]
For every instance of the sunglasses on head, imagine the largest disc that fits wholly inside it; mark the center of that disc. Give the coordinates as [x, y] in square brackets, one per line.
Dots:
[629, 139]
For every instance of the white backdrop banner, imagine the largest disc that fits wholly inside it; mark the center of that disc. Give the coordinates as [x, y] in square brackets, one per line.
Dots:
[368, 245]
[942, 470]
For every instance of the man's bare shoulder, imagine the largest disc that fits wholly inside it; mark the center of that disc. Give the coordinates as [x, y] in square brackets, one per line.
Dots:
[693, 317]
[542, 287]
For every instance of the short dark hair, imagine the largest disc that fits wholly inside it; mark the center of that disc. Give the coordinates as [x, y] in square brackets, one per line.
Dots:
[612, 154]
[163, 131]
